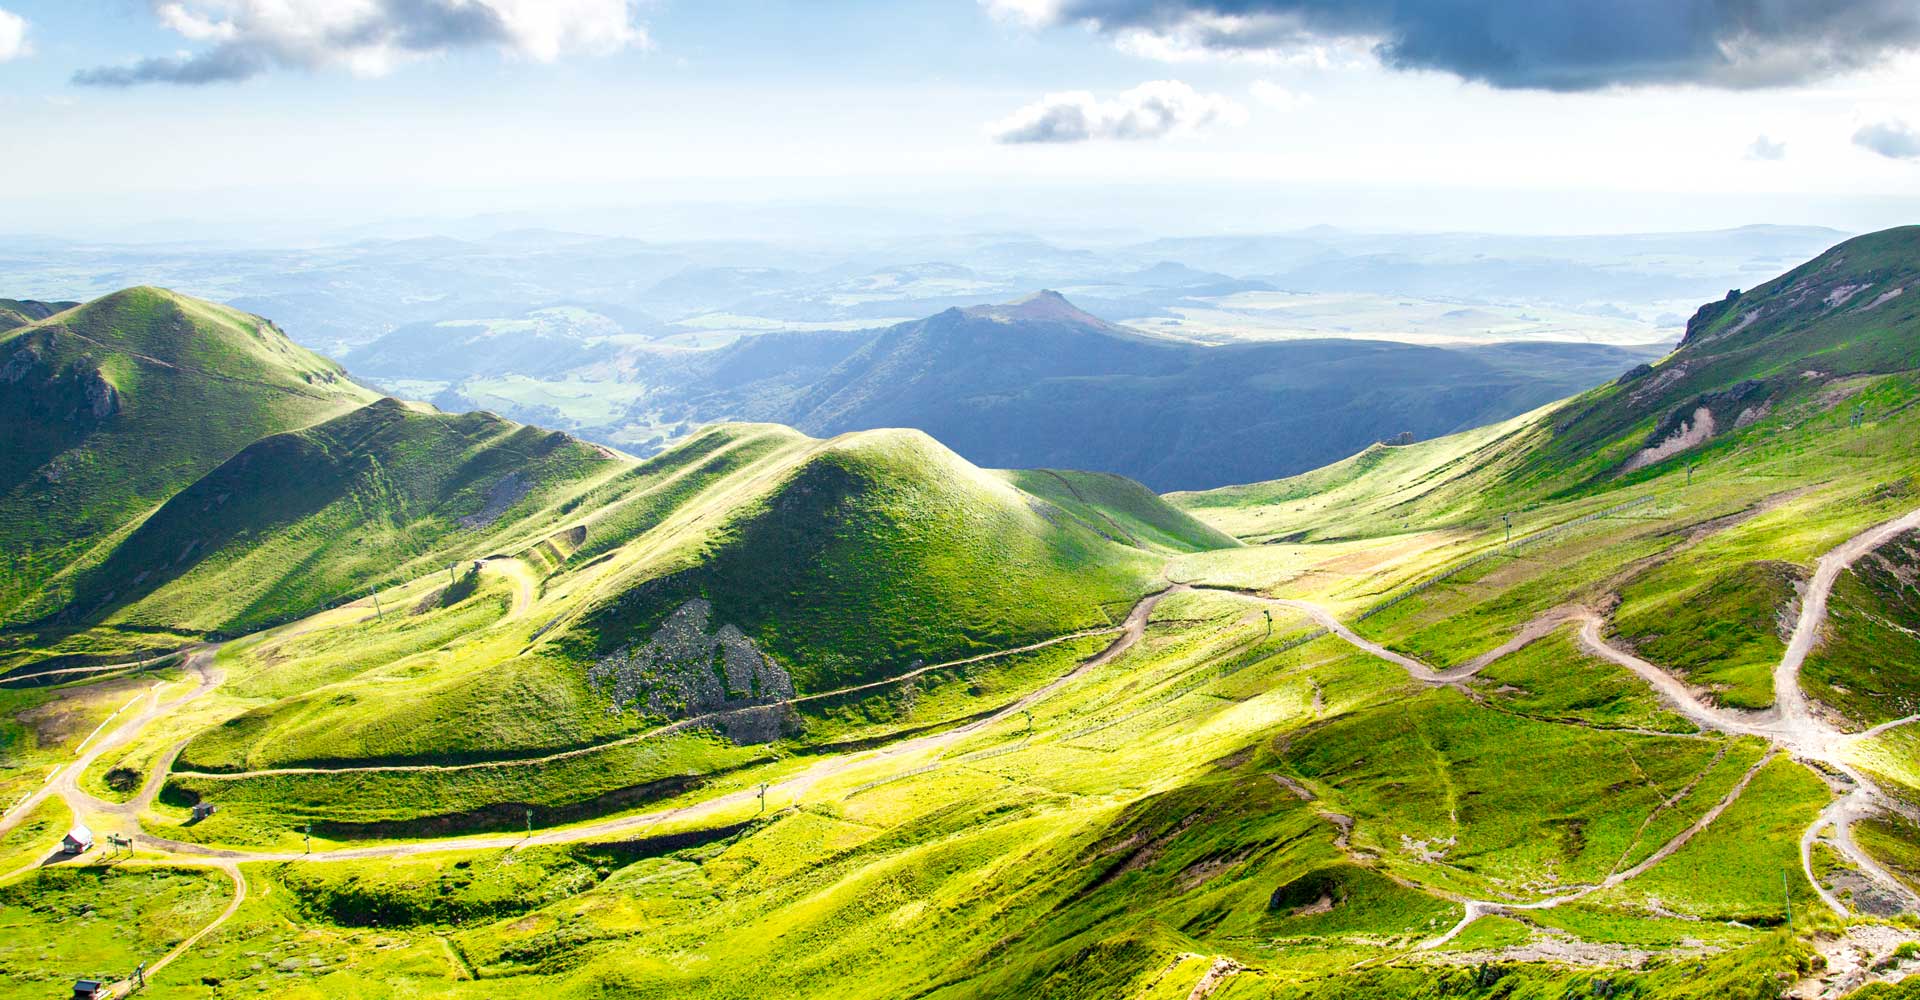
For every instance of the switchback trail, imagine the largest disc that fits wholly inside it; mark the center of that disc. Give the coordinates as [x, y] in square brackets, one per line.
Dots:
[1790, 726]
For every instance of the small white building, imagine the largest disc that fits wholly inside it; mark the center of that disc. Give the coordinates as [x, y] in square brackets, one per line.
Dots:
[78, 840]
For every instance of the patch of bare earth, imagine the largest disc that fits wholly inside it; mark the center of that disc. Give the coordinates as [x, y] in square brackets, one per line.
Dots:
[1300, 791]
[1864, 954]
[1221, 970]
[1691, 433]
[1552, 945]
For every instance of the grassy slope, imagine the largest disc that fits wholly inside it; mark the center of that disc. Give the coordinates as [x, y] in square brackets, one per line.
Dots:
[1378, 490]
[1062, 868]
[848, 561]
[857, 556]
[1810, 335]
[300, 518]
[1140, 820]
[1784, 369]
[191, 384]
[61, 924]
[1868, 663]
[1552, 678]
[1120, 509]
[1830, 317]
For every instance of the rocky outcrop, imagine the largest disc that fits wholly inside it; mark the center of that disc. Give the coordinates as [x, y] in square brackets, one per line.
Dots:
[1696, 422]
[1706, 315]
[19, 365]
[103, 400]
[510, 490]
[1633, 374]
[685, 669]
[78, 392]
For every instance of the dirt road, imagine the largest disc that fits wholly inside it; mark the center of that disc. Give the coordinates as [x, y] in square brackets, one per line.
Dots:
[692, 722]
[1791, 726]
[788, 789]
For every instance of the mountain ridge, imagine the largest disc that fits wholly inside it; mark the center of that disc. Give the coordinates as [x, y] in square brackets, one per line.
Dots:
[1042, 383]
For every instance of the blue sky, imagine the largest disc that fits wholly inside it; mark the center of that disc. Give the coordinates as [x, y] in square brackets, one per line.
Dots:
[1052, 113]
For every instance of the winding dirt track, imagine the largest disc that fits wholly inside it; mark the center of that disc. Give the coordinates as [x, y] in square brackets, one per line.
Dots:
[1813, 613]
[691, 722]
[1791, 726]
[64, 782]
[233, 906]
[791, 789]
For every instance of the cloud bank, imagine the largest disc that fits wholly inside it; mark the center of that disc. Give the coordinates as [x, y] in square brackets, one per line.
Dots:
[246, 38]
[1149, 111]
[1554, 45]
[1892, 139]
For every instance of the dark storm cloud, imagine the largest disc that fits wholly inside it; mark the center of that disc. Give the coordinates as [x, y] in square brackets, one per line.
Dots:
[1559, 45]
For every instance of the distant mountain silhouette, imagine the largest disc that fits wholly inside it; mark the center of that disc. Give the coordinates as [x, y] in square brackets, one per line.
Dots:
[1039, 382]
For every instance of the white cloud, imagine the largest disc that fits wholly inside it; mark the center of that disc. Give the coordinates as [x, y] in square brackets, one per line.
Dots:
[1150, 111]
[367, 37]
[1763, 148]
[13, 36]
[1277, 97]
[1032, 13]
[1894, 140]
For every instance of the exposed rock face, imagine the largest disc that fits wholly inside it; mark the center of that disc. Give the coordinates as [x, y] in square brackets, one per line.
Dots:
[77, 392]
[501, 496]
[1696, 422]
[685, 670]
[1706, 314]
[1633, 374]
[1691, 431]
[20, 365]
[103, 400]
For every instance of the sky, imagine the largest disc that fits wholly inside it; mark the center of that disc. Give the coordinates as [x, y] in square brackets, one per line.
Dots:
[184, 119]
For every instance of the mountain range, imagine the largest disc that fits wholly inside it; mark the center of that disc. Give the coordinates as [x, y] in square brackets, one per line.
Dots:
[1038, 382]
[1610, 697]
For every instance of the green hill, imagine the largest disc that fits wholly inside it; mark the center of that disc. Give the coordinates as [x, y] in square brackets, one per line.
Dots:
[298, 519]
[774, 566]
[115, 406]
[1807, 341]
[863, 554]
[854, 718]
[1849, 312]
[15, 313]
[1787, 412]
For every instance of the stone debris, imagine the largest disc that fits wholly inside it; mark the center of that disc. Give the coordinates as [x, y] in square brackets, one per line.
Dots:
[1431, 851]
[502, 495]
[1866, 953]
[685, 670]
